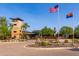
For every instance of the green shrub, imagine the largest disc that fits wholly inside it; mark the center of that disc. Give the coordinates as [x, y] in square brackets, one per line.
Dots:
[66, 41]
[44, 43]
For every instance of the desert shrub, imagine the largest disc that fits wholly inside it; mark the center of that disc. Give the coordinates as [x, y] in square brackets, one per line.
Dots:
[2, 38]
[35, 45]
[76, 41]
[66, 41]
[21, 40]
[57, 41]
[37, 41]
[58, 44]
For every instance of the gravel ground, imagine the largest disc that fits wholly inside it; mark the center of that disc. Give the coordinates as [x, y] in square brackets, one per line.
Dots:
[18, 49]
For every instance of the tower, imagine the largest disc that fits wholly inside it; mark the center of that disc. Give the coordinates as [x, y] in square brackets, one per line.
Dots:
[16, 28]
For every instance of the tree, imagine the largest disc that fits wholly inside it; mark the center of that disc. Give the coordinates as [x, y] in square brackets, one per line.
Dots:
[76, 31]
[66, 31]
[4, 32]
[54, 32]
[47, 31]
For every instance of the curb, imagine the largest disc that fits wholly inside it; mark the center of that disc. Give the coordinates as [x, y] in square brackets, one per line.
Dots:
[50, 48]
[12, 42]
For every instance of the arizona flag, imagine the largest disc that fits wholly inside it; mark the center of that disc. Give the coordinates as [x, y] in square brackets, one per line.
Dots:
[53, 9]
[69, 15]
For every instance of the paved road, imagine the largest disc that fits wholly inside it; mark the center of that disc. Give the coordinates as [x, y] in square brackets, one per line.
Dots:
[18, 49]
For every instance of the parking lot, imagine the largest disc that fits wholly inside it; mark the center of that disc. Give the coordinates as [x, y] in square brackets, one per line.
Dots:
[18, 49]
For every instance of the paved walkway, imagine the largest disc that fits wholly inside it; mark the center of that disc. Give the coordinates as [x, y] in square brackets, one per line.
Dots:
[18, 49]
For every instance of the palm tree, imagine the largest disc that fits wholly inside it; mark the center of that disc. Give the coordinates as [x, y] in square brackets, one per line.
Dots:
[24, 27]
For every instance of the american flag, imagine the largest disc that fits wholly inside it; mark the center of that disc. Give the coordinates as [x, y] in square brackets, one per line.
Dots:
[53, 9]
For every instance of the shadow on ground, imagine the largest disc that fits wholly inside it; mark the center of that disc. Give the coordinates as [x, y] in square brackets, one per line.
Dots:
[75, 49]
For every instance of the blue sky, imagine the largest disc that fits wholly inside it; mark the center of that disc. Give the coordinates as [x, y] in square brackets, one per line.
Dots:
[37, 14]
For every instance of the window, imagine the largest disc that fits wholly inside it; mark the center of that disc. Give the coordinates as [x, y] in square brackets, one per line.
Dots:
[20, 30]
[15, 31]
[15, 24]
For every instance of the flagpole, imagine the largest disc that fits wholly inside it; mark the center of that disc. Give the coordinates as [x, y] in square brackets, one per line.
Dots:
[53, 10]
[58, 23]
[73, 32]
